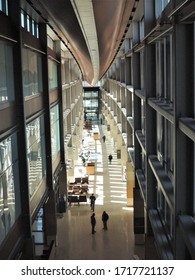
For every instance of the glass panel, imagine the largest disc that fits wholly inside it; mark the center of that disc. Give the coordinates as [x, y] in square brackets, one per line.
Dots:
[33, 27]
[38, 228]
[37, 33]
[10, 206]
[160, 6]
[91, 106]
[10, 73]
[50, 42]
[4, 6]
[28, 23]
[32, 73]
[143, 113]
[142, 68]
[55, 132]
[52, 69]
[6, 73]
[141, 29]
[36, 153]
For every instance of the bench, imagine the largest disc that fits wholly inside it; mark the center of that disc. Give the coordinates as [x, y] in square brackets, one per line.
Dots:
[76, 199]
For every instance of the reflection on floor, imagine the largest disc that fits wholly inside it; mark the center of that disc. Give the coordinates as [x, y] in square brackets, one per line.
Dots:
[75, 241]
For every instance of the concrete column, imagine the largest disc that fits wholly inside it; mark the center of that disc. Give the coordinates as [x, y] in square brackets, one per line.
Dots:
[119, 141]
[63, 180]
[124, 156]
[70, 174]
[130, 183]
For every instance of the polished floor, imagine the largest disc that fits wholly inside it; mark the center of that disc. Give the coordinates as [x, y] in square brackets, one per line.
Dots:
[75, 240]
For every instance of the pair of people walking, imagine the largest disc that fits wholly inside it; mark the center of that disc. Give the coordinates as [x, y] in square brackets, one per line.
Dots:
[105, 218]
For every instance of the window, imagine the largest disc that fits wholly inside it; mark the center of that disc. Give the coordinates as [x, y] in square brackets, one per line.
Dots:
[141, 29]
[52, 69]
[4, 6]
[36, 153]
[142, 69]
[165, 213]
[143, 162]
[29, 24]
[37, 30]
[50, 42]
[33, 27]
[91, 106]
[32, 73]
[55, 132]
[6, 73]
[143, 116]
[38, 228]
[160, 138]
[160, 6]
[164, 69]
[22, 18]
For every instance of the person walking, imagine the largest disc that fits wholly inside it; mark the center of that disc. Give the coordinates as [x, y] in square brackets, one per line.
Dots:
[110, 158]
[93, 223]
[104, 138]
[105, 218]
[92, 201]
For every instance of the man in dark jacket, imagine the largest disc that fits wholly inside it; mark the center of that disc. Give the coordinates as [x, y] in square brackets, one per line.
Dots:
[110, 158]
[92, 201]
[105, 218]
[93, 223]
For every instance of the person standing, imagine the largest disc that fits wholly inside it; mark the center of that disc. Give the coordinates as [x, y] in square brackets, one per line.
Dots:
[110, 158]
[92, 201]
[93, 223]
[105, 218]
[104, 138]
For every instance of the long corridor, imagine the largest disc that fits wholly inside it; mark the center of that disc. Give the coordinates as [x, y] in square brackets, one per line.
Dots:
[75, 240]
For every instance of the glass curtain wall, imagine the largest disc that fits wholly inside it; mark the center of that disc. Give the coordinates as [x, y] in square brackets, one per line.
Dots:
[10, 204]
[91, 106]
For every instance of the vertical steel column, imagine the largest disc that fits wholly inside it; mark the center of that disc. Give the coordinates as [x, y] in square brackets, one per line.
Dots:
[183, 107]
[14, 13]
[138, 201]
[150, 136]
[49, 206]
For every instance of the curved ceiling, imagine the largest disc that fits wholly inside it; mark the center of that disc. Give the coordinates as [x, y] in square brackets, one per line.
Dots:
[92, 29]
